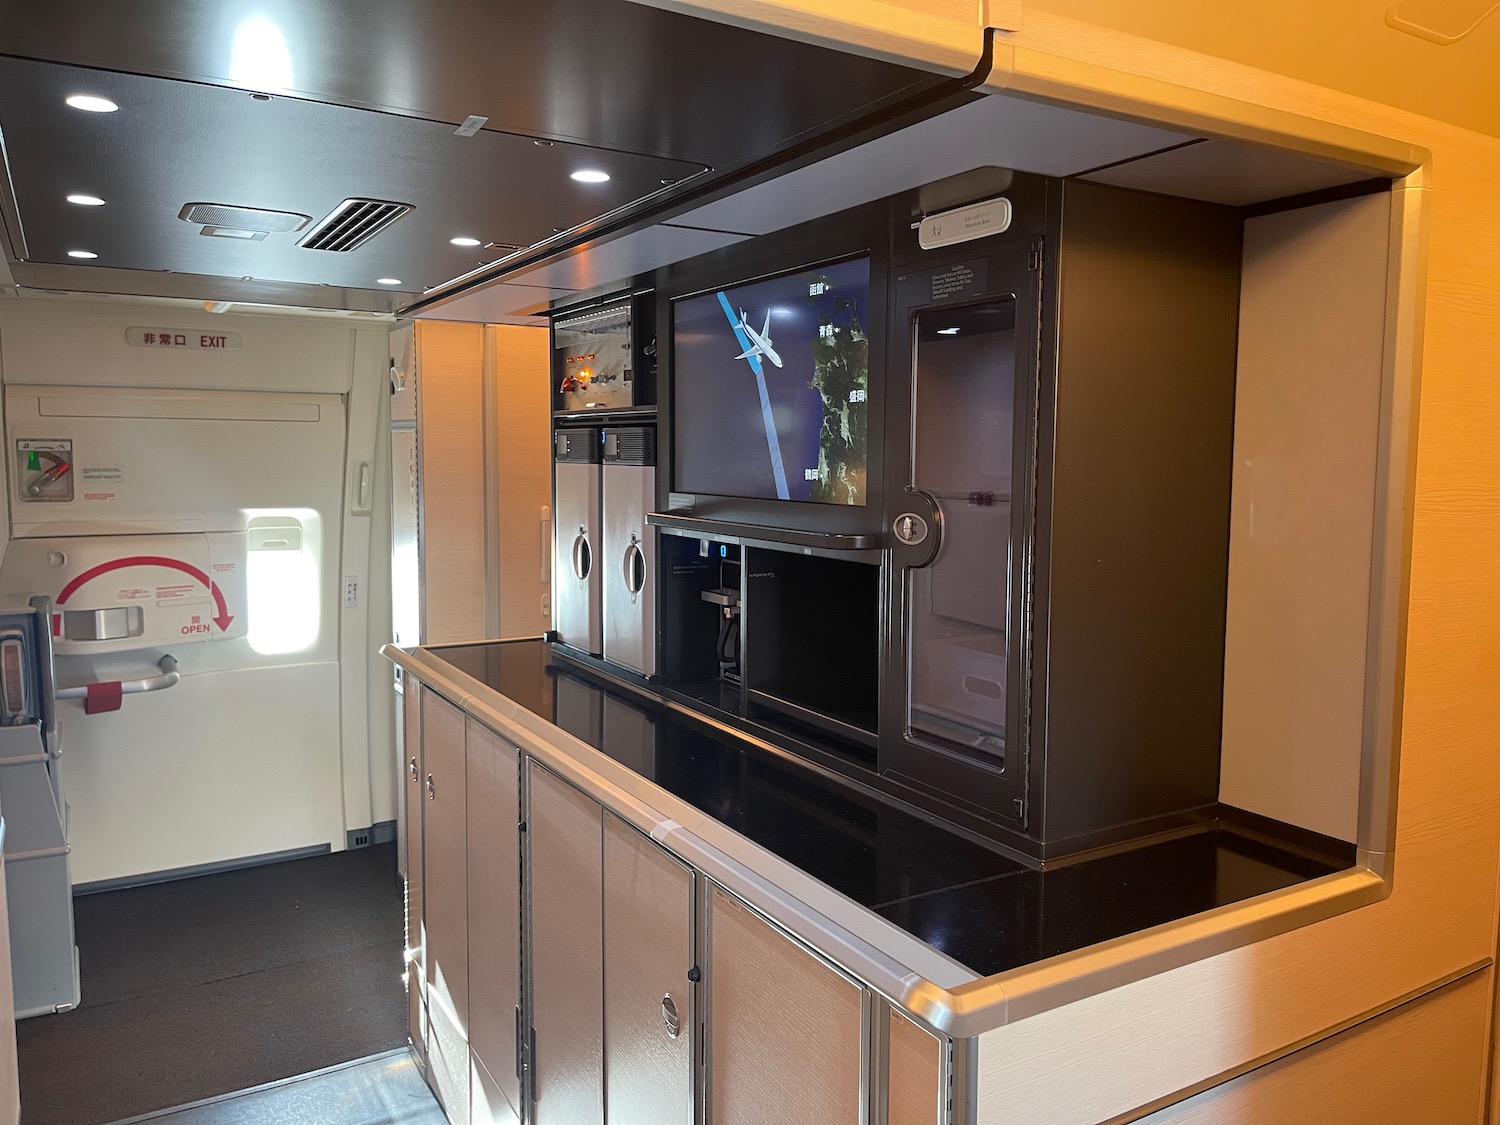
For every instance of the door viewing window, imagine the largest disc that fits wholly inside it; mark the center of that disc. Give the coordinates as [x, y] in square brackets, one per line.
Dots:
[958, 607]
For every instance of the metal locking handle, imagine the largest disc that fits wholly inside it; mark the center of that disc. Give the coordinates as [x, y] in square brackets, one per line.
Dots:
[670, 1017]
[635, 567]
[413, 765]
[583, 556]
[431, 792]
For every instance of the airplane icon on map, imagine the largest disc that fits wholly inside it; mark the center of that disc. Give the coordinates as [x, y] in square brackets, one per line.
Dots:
[760, 342]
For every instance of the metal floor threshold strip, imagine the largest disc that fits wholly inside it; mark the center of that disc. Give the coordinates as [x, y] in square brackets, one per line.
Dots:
[383, 1089]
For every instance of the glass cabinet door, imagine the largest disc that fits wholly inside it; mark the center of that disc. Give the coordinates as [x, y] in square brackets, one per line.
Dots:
[961, 524]
[958, 628]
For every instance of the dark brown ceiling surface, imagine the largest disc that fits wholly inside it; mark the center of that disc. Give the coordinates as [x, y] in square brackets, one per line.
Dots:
[172, 143]
[602, 72]
[366, 97]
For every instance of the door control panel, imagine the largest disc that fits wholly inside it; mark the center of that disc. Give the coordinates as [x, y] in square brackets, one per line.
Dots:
[44, 470]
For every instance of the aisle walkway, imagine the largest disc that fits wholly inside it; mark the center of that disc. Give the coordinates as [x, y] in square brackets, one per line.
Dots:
[207, 986]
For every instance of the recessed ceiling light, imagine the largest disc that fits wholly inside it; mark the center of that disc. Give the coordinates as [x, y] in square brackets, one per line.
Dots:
[82, 254]
[387, 281]
[86, 200]
[591, 176]
[464, 241]
[90, 104]
[947, 331]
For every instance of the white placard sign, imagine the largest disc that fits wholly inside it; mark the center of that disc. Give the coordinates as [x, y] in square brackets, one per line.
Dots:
[181, 339]
[964, 223]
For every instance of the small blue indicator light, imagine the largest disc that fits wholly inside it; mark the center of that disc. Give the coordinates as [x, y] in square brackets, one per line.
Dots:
[723, 551]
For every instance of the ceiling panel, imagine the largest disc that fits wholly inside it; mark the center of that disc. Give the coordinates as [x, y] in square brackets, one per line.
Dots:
[1233, 174]
[605, 72]
[497, 304]
[626, 256]
[999, 130]
[172, 143]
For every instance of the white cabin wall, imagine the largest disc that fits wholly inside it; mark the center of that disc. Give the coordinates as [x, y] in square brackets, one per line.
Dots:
[247, 756]
[1307, 416]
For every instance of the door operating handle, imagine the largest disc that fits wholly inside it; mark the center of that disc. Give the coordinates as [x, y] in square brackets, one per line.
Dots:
[431, 791]
[413, 764]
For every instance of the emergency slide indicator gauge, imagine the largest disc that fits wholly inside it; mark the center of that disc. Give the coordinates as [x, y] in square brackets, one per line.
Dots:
[44, 470]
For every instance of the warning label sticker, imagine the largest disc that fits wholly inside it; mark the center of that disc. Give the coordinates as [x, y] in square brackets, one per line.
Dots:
[99, 495]
[133, 593]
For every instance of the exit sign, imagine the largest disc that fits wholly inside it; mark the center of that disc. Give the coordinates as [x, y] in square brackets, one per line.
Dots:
[183, 339]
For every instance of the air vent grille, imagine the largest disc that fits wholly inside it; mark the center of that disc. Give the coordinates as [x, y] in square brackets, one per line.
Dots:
[353, 223]
[228, 216]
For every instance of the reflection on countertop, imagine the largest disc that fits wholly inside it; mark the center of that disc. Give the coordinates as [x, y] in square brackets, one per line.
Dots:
[980, 907]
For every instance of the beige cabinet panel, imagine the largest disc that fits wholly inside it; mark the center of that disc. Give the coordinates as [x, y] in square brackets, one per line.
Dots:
[494, 871]
[918, 1088]
[445, 902]
[649, 1025]
[785, 1028]
[566, 952]
[1422, 1062]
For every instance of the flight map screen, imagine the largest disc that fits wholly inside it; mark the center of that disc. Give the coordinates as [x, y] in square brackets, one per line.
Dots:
[771, 387]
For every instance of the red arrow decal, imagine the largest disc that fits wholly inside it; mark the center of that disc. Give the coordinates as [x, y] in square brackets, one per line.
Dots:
[222, 620]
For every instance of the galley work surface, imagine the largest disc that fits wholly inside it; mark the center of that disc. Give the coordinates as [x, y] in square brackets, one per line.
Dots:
[975, 904]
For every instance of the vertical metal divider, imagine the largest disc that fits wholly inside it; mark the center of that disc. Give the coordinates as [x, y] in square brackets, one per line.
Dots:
[878, 1064]
[524, 1037]
[963, 1078]
[422, 906]
[703, 994]
[603, 970]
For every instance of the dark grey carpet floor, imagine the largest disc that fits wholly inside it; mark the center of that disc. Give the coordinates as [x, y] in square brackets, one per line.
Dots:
[210, 985]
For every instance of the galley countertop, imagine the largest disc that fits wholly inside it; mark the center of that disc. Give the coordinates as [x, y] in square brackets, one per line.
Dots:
[983, 911]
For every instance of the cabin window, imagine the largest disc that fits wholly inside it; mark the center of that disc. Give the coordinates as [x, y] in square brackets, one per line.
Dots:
[282, 582]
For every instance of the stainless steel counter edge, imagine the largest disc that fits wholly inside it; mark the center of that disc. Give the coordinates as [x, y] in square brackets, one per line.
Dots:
[921, 980]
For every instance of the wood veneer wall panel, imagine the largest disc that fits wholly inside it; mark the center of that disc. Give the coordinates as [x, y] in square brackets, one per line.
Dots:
[523, 405]
[1112, 1054]
[1421, 1062]
[450, 449]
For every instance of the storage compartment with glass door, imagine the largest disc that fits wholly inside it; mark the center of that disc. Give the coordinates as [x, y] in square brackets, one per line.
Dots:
[960, 578]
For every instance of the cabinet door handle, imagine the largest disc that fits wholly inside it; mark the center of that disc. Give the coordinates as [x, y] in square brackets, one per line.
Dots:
[583, 556]
[635, 568]
[670, 1017]
[431, 792]
[414, 770]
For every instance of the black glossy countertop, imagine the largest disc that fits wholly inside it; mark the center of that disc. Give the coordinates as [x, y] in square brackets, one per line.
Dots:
[980, 907]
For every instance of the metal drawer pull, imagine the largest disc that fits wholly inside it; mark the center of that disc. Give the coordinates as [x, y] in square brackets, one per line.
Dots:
[583, 556]
[670, 1017]
[635, 567]
[431, 792]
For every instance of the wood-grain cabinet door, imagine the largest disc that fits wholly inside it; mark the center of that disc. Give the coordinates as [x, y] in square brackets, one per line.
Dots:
[446, 903]
[649, 995]
[917, 1079]
[412, 808]
[494, 874]
[785, 1026]
[565, 952]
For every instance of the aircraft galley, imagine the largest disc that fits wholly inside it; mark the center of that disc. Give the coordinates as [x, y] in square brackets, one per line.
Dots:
[749, 562]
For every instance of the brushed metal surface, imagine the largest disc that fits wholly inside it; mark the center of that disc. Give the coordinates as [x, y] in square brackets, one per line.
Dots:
[785, 1028]
[494, 873]
[566, 952]
[578, 602]
[445, 911]
[648, 953]
[487, 1104]
[413, 807]
[629, 617]
[915, 1075]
